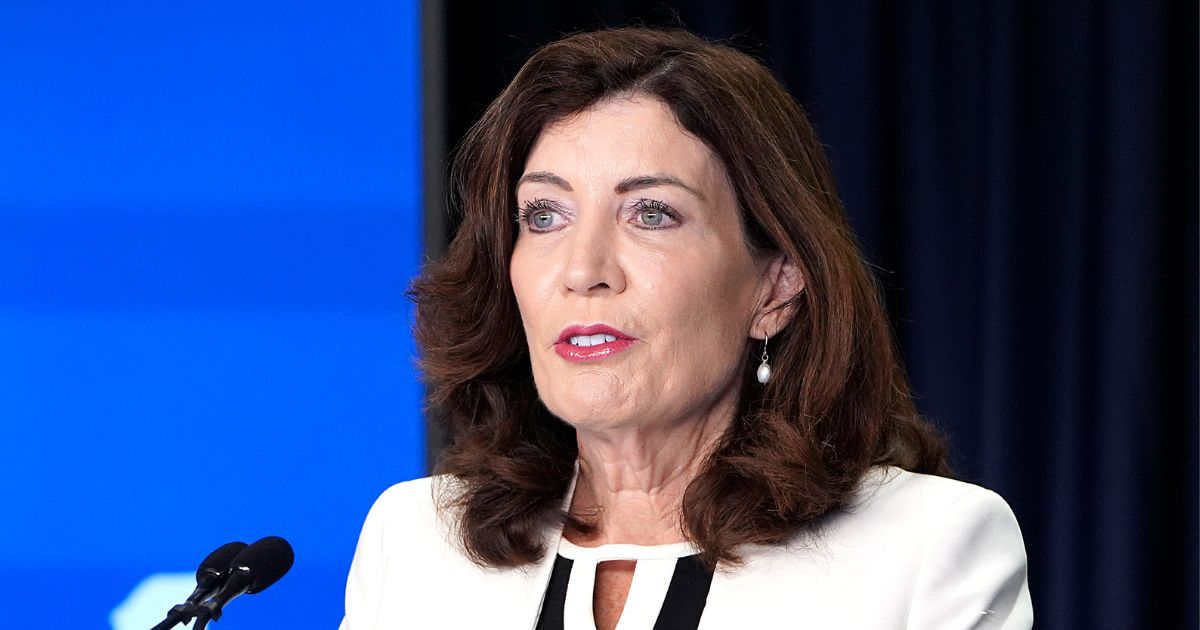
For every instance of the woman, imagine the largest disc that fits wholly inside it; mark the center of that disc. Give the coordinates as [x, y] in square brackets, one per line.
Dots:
[673, 392]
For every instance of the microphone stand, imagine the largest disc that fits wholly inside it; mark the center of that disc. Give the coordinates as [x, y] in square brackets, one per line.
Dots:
[202, 620]
[179, 614]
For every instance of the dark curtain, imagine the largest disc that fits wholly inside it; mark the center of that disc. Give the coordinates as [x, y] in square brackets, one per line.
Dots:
[1024, 178]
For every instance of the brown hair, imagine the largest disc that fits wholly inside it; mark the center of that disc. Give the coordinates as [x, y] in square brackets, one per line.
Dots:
[838, 401]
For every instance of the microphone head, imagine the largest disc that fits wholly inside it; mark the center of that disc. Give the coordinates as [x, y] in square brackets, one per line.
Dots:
[217, 563]
[266, 560]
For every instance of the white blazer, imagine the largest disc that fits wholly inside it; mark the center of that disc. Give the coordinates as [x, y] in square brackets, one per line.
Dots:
[913, 551]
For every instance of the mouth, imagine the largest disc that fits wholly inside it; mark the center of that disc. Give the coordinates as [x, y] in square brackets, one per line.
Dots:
[590, 343]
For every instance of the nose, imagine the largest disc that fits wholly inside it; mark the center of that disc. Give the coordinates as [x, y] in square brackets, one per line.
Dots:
[592, 266]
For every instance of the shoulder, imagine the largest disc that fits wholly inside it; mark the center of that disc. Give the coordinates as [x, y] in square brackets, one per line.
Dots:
[407, 514]
[409, 565]
[930, 552]
[404, 547]
[895, 495]
[405, 500]
[901, 515]
[965, 554]
[932, 519]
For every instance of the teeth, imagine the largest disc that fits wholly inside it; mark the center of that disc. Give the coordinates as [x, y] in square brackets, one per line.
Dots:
[585, 341]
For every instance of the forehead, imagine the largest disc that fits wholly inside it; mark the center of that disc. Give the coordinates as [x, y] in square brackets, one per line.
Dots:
[625, 136]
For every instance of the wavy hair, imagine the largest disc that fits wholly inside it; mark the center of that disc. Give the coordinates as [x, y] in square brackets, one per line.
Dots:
[838, 401]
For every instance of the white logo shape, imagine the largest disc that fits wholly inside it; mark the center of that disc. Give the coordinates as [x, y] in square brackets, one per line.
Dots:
[150, 601]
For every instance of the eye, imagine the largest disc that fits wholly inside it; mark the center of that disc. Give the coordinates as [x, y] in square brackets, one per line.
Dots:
[653, 214]
[539, 215]
[541, 219]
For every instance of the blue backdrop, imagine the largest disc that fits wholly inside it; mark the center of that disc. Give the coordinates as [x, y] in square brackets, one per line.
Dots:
[209, 213]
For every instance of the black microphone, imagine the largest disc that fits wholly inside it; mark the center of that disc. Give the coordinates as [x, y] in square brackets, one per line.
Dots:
[253, 569]
[210, 576]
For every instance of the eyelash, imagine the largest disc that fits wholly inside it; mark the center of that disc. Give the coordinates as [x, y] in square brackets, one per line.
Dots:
[542, 205]
[532, 205]
[535, 205]
[656, 205]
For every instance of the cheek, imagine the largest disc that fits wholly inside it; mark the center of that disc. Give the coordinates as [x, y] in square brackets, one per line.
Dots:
[716, 291]
[705, 306]
[528, 283]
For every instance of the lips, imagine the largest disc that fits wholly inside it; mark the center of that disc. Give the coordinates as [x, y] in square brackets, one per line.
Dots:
[590, 343]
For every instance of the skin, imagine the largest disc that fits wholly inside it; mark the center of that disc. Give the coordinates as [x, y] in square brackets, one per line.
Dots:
[686, 287]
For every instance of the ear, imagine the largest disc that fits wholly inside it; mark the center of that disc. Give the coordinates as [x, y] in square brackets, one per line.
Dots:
[782, 281]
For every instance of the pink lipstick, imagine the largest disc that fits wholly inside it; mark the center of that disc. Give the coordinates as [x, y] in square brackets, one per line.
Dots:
[590, 343]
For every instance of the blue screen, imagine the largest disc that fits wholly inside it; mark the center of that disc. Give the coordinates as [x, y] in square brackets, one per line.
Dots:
[209, 214]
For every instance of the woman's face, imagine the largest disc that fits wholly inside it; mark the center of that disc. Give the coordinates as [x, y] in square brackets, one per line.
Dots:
[636, 289]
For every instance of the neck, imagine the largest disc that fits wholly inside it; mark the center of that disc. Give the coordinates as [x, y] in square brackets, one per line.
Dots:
[631, 481]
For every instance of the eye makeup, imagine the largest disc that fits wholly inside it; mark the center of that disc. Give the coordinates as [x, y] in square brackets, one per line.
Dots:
[544, 215]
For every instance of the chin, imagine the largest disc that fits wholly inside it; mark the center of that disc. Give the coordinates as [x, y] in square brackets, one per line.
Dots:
[594, 397]
[590, 412]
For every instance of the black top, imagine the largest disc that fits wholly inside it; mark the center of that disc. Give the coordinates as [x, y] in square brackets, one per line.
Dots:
[681, 609]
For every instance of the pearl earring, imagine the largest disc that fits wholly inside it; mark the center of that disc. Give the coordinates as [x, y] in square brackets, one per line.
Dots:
[764, 369]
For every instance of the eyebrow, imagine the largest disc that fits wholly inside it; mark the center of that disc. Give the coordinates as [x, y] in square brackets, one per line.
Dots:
[650, 181]
[545, 177]
[636, 182]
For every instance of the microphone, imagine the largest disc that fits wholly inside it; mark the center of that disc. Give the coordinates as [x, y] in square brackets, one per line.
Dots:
[210, 575]
[253, 570]
[214, 570]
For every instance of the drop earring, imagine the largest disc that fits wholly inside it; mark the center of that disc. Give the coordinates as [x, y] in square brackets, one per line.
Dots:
[764, 369]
